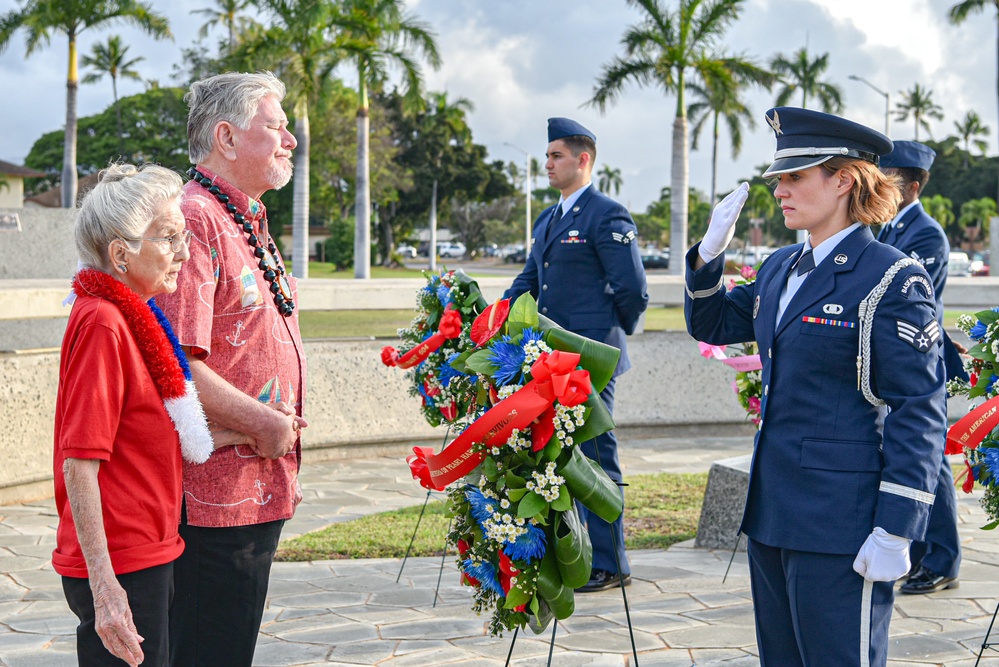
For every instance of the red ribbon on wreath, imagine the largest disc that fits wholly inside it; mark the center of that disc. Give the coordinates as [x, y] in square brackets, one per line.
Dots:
[450, 327]
[971, 429]
[556, 378]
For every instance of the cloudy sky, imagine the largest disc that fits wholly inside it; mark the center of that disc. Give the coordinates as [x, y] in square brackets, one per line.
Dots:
[522, 61]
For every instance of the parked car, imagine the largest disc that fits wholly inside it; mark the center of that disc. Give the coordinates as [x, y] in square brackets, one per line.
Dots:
[407, 251]
[958, 264]
[518, 256]
[980, 264]
[654, 259]
[452, 250]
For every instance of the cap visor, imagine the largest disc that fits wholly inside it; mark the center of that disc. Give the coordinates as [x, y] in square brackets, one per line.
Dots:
[786, 164]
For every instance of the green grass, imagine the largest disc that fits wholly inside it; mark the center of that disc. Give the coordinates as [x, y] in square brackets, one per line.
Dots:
[661, 510]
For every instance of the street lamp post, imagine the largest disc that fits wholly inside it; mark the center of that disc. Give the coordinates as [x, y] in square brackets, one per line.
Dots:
[878, 90]
[527, 196]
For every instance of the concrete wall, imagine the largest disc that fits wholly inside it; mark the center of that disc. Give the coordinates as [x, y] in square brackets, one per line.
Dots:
[12, 192]
[44, 247]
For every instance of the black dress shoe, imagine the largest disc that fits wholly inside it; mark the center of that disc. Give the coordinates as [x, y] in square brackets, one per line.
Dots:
[602, 579]
[927, 581]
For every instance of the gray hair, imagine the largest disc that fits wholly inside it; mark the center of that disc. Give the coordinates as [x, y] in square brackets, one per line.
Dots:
[231, 97]
[122, 205]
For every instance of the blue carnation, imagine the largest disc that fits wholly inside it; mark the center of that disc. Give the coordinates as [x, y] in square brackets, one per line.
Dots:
[978, 331]
[992, 461]
[444, 295]
[992, 381]
[446, 373]
[485, 573]
[482, 507]
[528, 546]
[509, 359]
[531, 336]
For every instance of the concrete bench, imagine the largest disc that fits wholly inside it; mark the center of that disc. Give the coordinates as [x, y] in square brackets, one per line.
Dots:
[724, 502]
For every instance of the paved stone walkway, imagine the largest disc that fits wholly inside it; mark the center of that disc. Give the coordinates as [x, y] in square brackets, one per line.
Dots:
[354, 613]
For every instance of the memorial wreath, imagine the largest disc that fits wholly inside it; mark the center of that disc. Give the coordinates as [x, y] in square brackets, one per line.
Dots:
[523, 394]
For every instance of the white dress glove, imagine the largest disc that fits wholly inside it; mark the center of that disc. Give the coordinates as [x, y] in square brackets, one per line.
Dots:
[883, 557]
[721, 227]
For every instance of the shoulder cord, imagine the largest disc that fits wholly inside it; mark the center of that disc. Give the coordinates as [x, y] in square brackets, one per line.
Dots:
[866, 312]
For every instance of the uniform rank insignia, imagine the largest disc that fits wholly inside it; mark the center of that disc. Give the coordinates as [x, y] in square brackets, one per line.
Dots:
[623, 238]
[920, 338]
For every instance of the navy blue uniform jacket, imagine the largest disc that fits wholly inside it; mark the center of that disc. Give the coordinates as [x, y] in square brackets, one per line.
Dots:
[919, 236]
[586, 273]
[827, 465]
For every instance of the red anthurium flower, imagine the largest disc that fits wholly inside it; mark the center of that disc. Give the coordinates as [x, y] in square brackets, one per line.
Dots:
[469, 581]
[418, 465]
[490, 321]
[507, 572]
[493, 395]
[449, 411]
[390, 357]
[543, 429]
[463, 547]
[450, 326]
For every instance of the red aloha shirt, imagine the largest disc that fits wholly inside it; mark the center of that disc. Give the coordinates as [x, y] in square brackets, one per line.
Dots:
[223, 310]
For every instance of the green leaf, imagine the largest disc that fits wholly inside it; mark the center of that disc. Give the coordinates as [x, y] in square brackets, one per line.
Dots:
[490, 470]
[987, 317]
[534, 605]
[475, 297]
[552, 450]
[515, 494]
[458, 363]
[481, 362]
[530, 505]
[523, 314]
[515, 481]
[591, 486]
[599, 359]
[991, 525]
[516, 597]
[564, 501]
[559, 597]
[598, 420]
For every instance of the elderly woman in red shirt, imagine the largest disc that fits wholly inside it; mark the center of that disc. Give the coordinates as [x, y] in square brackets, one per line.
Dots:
[126, 412]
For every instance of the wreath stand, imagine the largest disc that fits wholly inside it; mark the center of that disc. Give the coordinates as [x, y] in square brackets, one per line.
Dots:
[985, 641]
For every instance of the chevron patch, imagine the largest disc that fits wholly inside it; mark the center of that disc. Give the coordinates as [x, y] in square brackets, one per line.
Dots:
[921, 338]
[623, 238]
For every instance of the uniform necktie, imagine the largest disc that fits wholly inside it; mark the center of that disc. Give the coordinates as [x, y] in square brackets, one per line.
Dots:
[554, 221]
[806, 262]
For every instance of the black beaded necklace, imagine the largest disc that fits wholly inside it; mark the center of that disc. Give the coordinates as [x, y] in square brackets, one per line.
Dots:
[273, 272]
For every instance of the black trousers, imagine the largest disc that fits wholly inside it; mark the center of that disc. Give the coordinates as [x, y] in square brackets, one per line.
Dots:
[221, 586]
[149, 594]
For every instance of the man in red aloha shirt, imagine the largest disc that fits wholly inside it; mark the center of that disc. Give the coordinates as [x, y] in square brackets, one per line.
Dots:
[234, 313]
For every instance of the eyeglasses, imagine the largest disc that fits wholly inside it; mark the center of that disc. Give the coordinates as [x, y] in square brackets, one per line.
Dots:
[177, 242]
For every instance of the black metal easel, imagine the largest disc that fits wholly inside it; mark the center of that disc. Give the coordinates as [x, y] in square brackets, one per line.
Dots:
[985, 641]
[417, 527]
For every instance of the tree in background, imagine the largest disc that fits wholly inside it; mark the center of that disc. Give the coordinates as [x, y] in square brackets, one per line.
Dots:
[662, 51]
[918, 103]
[962, 10]
[941, 209]
[299, 48]
[719, 98]
[110, 59]
[227, 16]
[154, 129]
[801, 73]
[40, 18]
[974, 219]
[377, 34]
[760, 208]
[969, 129]
[608, 179]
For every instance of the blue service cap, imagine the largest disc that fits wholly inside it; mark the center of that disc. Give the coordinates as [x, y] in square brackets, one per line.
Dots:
[807, 138]
[911, 154]
[559, 128]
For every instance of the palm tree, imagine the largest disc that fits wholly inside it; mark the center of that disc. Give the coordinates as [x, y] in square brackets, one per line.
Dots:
[110, 59]
[40, 18]
[663, 50]
[716, 99]
[918, 103]
[959, 12]
[379, 33]
[299, 48]
[969, 130]
[801, 73]
[442, 124]
[225, 15]
[609, 178]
